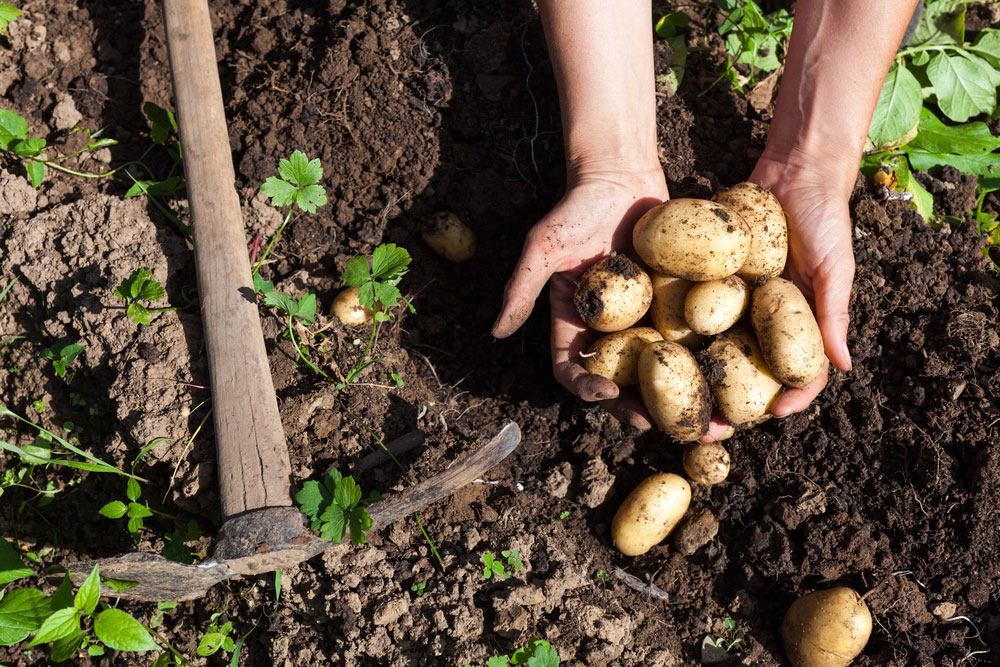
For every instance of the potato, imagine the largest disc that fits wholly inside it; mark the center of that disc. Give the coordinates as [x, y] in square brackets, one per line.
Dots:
[788, 333]
[707, 463]
[613, 294]
[692, 239]
[826, 628]
[674, 390]
[649, 513]
[616, 356]
[768, 229]
[713, 306]
[743, 385]
[348, 309]
[667, 310]
[449, 237]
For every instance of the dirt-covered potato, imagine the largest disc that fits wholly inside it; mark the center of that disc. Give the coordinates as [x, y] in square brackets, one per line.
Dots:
[788, 333]
[743, 385]
[667, 310]
[613, 294]
[826, 628]
[674, 390]
[707, 463]
[616, 356]
[713, 306]
[348, 309]
[649, 513]
[768, 227]
[449, 237]
[692, 239]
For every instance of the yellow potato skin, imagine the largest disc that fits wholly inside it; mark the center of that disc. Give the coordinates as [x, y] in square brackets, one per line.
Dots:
[616, 356]
[747, 388]
[706, 463]
[674, 390]
[613, 294]
[713, 306]
[449, 237]
[649, 513]
[667, 310]
[347, 309]
[826, 628]
[768, 228]
[788, 333]
[692, 239]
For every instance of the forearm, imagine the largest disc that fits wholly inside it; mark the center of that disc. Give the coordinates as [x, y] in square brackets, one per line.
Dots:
[602, 55]
[838, 56]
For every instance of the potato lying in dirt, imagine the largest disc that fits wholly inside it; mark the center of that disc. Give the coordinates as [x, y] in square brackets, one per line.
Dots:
[713, 306]
[649, 513]
[768, 229]
[692, 239]
[707, 463]
[788, 333]
[826, 628]
[613, 294]
[347, 309]
[667, 310]
[743, 385]
[449, 237]
[616, 356]
[674, 390]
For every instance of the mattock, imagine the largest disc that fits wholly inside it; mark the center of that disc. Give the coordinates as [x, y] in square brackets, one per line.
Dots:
[262, 530]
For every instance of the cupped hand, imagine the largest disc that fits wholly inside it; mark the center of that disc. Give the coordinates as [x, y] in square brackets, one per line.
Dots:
[592, 220]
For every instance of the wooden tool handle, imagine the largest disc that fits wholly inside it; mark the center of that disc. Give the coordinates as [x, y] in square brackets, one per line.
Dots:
[253, 459]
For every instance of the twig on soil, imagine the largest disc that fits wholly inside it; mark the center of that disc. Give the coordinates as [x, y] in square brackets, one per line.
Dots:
[637, 584]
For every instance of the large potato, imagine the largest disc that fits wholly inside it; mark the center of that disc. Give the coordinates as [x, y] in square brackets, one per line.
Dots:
[743, 385]
[649, 513]
[616, 356]
[348, 309]
[826, 628]
[667, 310]
[788, 333]
[674, 390]
[707, 463]
[613, 294]
[713, 306]
[768, 227]
[692, 239]
[449, 237]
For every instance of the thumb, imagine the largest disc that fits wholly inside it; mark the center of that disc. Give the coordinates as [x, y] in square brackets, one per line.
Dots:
[832, 292]
[530, 275]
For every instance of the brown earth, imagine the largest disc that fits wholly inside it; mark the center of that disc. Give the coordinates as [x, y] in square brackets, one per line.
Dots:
[890, 479]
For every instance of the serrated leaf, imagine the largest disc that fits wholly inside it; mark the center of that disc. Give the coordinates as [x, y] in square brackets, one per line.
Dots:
[12, 126]
[387, 294]
[300, 170]
[281, 192]
[117, 630]
[961, 89]
[348, 493]
[138, 511]
[36, 172]
[305, 309]
[311, 498]
[334, 524]
[281, 301]
[968, 139]
[390, 262]
[66, 647]
[356, 273]
[11, 566]
[28, 147]
[138, 313]
[898, 109]
[361, 523]
[132, 489]
[544, 656]
[89, 592]
[311, 196]
[60, 623]
[175, 549]
[261, 285]
[8, 13]
[21, 613]
[498, 661]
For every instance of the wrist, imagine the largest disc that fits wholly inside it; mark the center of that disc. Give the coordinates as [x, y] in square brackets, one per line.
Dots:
[631, 167]
[782, 165]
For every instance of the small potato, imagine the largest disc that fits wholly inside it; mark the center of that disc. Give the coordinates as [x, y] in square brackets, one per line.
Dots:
[449, 237]
[826, 628]
[692, 239]
[649, 513]
[788, 333]
[674, 390]
[707, 463]
[743, 385]
[713, 306]
[768, 227]
[616, 356]
[613, 294]
[667, 310]
[348, 309]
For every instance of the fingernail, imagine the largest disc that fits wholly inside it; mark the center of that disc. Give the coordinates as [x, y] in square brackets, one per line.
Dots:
[780, 414]
[847, 355]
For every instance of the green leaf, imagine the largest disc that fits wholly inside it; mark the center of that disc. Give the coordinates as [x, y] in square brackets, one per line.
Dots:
[942, 22]
[987, 46]
[261, 285]
[348, 493]
[137, 511]
[28, 147]
[95, 650]
[334, 524]
[132, 489]
[21, 613]
[63, 597]
[544, 656]
[210, 643]
[70, 352]
[361, 523]
[138, 313]
[311, 497]
[675, 63]
[36, 172]
[121, 632]
[980, 165]
[305, 309]
[12, 127]
[390, 262]
[102, 143]
[962, 90]
[89, 592]
[118, 585]
[387, 294]
[8, 13]
[898, 108]
[669, 24]
[281, 192]
[11, 566]
[923, 201]
[311, 196]
[175, 549]
[300, 170]
[281, 301]
[60, 623]
[356, 273]
[66, 647]
[498, 661]
[162, 121]
[969, 139]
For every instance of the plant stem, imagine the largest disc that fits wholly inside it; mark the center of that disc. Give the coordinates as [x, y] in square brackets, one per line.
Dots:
[428, 538]
[291, 334]
[170, 647]
[273, 240]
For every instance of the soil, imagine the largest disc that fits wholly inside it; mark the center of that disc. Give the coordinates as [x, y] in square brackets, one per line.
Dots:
[891, 479]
